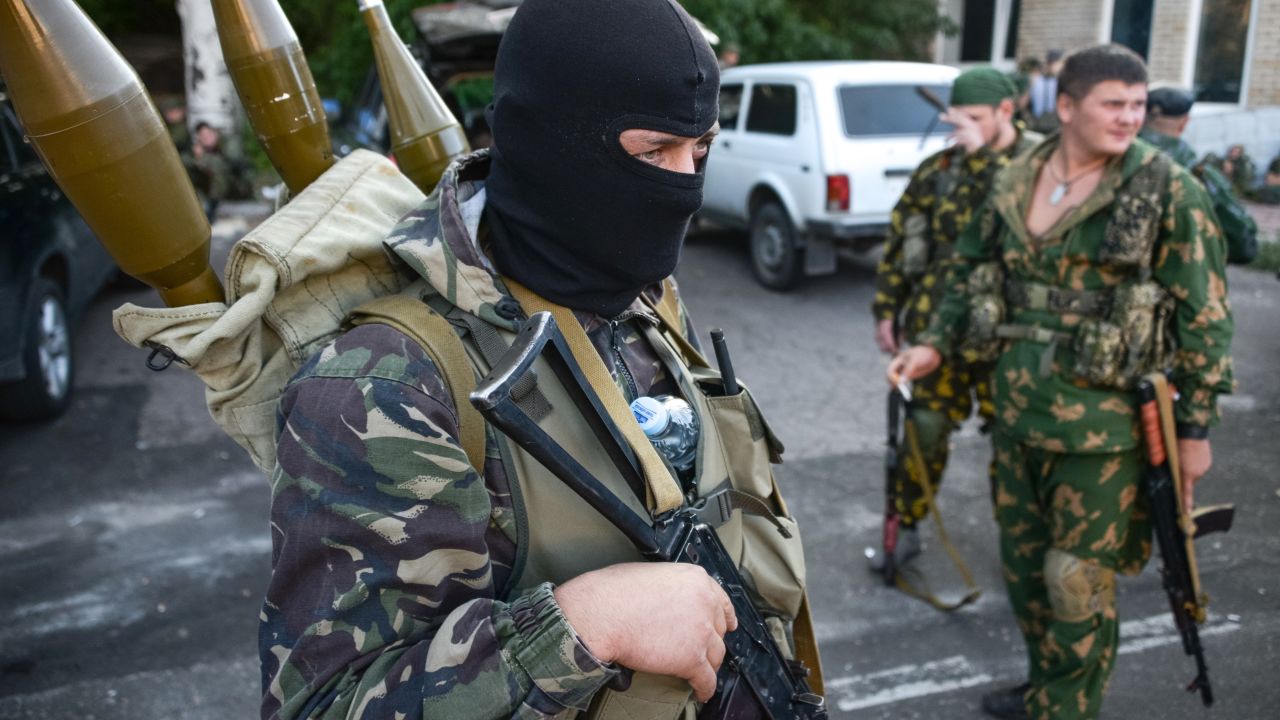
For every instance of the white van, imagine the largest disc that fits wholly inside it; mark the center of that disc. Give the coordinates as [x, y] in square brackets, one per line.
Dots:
[813, 156]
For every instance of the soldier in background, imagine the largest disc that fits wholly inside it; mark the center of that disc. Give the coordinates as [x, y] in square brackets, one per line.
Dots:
[174, 110]
[937, 204]
[1089, 243]
[210, 171]
[1168, 112]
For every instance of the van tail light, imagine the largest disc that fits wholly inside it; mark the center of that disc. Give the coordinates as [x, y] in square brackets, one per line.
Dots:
[838, 192]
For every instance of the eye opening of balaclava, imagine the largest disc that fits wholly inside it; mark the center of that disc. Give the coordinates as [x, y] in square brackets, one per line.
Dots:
[570, 213]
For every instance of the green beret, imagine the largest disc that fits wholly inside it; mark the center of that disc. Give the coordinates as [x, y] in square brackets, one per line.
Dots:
[982, 86]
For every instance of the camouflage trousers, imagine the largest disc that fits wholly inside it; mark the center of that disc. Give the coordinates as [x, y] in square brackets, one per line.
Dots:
[1068, 524]
[940, 402]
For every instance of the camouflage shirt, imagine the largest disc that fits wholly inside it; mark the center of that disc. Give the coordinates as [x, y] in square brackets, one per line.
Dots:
[1176, 147]
[392, 556]
[938, 203]
[1060, 412]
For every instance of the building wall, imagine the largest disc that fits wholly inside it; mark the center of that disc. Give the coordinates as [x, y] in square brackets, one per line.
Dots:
[1170, 37]
[1264, 70]
[1048, 24]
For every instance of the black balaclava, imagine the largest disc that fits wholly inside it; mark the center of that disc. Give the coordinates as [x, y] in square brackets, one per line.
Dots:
[571, 215]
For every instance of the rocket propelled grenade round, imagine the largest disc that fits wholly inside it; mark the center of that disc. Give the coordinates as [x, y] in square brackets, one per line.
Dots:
[425, 137]
[274, 83]
[90, 119]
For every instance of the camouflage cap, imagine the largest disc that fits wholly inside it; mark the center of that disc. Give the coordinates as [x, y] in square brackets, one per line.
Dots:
[982, 86]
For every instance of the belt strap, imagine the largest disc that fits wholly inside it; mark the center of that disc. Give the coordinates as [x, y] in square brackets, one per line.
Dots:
[440, 341]
[1048, 298]
[663, 490]
[1034, 334]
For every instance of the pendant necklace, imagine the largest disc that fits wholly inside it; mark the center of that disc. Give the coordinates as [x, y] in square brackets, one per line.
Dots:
[1064, 186]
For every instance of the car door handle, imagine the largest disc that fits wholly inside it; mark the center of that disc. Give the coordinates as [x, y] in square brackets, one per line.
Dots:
[725, 144]
[804, 168]
[897, 172]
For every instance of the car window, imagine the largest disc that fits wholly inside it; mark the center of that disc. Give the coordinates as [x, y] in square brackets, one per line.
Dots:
[730, 106]
[773, 109]
[870, 110]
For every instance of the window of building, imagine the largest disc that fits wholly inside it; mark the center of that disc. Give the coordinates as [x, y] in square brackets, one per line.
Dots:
[1224, 31]
[773, 109]
[730, 106]
[977, 30]
[1131, 25]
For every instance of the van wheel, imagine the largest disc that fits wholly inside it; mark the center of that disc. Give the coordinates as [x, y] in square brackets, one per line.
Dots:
[45, 392]
[776, 260]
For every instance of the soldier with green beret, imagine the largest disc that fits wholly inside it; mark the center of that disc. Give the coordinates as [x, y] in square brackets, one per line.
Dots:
[939, 200]
[1095, 261]
[1168, 112]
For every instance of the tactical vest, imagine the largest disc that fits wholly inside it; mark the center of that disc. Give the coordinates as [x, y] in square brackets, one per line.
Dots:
[734, 450]
[1122, 333]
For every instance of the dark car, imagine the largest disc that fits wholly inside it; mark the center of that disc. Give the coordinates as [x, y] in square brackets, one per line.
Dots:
[51, 266]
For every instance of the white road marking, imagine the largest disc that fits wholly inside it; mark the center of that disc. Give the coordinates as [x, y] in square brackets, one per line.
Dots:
[906, 682]
[903, 683]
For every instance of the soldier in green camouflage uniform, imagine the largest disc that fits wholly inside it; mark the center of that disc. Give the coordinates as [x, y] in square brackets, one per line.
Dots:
[1168, 111]
[1074, 312]
[409, 582]
[936, 206]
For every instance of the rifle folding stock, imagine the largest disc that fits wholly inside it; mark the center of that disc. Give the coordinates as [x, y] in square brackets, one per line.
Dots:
[755, 680]
[1174, 529]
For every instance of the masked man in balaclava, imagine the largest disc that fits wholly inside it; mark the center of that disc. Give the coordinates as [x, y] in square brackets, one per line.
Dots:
[412, 578]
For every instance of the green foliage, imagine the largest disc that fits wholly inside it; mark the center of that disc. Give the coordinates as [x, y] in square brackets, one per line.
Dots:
[780, 30]
[336, 41]
[1268, 256]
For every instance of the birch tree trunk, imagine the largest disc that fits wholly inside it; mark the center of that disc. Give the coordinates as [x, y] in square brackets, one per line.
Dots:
[211, 97]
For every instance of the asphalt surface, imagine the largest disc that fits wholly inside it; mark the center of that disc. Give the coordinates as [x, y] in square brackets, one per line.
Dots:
[134, 547]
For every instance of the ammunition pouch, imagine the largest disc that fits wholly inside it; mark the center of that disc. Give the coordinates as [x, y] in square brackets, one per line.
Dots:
[985, 292]
[915, 246]
[1122, 338]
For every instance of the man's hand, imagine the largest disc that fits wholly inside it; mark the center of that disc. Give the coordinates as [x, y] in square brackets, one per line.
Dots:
[886, 338]
[913, 364]
[964, 131]
[664, 618]
[1194, 459]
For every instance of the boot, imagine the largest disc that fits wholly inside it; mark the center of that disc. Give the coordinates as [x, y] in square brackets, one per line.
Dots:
[1007, 703]
[907, 548]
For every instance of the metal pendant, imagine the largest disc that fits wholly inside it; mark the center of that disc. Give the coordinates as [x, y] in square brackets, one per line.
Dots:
[1058, 193]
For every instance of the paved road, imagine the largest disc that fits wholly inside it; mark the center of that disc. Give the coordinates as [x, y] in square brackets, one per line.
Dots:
[134, 550]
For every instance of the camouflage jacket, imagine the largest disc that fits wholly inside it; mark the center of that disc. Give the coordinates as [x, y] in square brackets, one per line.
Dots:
[938, 203]
[392, 555]
[1060, 412]
[1176, 147]
[1238, 227]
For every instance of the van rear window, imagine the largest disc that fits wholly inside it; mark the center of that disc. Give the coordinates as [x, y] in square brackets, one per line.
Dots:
[870, 110]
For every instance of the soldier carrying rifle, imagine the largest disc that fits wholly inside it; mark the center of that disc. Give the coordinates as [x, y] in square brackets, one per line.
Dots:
[1095, 261]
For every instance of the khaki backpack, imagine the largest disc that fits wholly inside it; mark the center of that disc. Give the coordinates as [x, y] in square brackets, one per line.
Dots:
[292, 283]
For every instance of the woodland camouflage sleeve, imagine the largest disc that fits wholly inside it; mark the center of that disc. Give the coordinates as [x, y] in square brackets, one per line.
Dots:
[386, 543]
[892, 288]
[948, 324]
[1190, 262]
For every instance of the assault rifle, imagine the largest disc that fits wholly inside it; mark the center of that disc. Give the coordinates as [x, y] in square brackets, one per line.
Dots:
[755, 680]
[1174, 528]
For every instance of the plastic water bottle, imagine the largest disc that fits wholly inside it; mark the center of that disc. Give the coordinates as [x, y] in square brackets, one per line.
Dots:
[672, 427]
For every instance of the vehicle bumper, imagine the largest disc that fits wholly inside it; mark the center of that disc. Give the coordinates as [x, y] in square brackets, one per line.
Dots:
[850, 230]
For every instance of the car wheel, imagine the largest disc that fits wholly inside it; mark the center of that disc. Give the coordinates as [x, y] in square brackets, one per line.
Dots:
[776, 260]
[45, 392]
